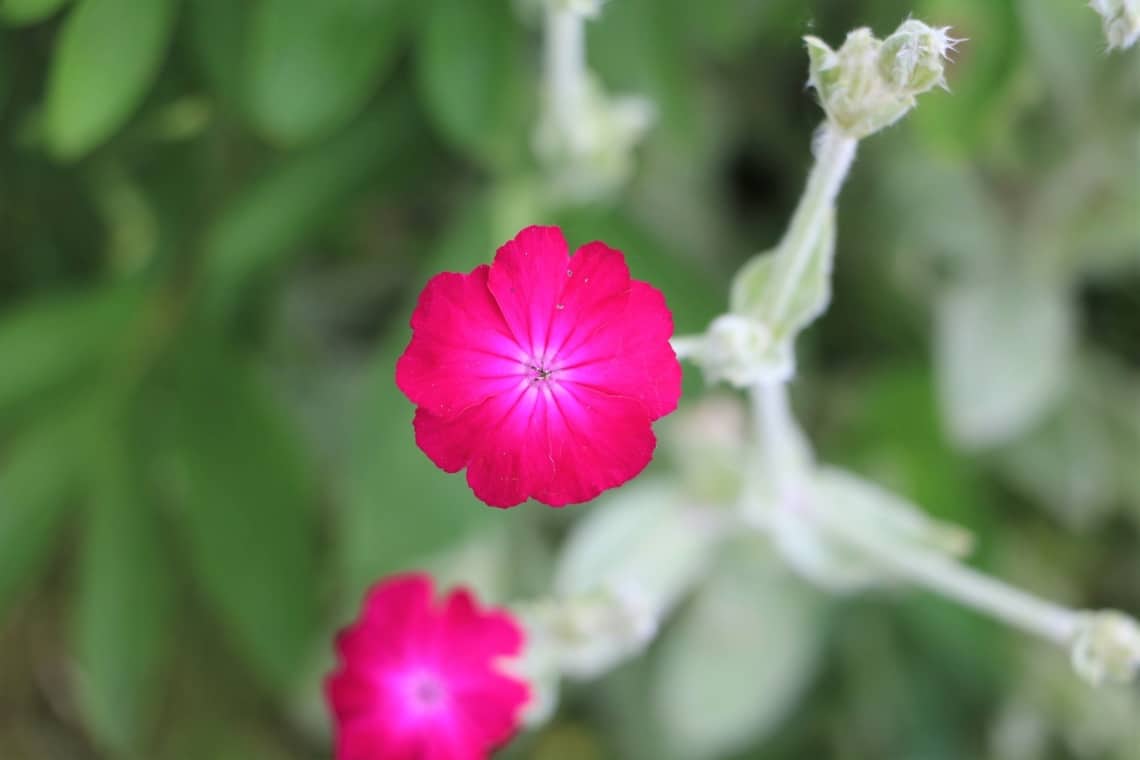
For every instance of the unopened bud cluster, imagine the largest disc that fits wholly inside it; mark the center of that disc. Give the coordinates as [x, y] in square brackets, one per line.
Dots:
[1106, 648]
[1121, 21]
[868, 83]
[742, 351]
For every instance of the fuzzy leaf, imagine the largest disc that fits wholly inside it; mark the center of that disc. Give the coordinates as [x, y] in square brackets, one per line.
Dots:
[1002, 352]
[738, 660]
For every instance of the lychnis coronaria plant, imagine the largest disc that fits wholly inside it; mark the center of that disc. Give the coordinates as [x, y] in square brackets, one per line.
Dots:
[542, 374]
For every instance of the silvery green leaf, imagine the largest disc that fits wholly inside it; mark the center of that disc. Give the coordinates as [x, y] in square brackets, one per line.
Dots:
[1067, 465]
[643, 542]
[755, 291]
[1003, 350]
[837, 497]
[739, 658]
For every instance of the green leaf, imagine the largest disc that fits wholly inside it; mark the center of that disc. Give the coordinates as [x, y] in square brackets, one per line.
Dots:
[218, 33]
[107, 55]
[474, 77]
[894, 436]
[19, 12]
[36, 476]
[980, 77]
[641, 538]
[634, 46]
[125, 602]
[313, 65]
[248, 512]
[739, 658]
[294, 199]
[48, 342]
[1003, 350]
[726, 29]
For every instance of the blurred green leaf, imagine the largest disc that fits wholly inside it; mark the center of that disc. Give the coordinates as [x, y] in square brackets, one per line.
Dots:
[37, 473]
[725, 29]
[895, 438]
[48, 342]
[473, 76]
[18, 12]
[123, 620]
[249, 513]
[960, 122]
[218, 33]
[313, 65]
[1064, 42]
[738, 659]
[282, 208]
[1003, 354]
[635, 49]
[107, 55]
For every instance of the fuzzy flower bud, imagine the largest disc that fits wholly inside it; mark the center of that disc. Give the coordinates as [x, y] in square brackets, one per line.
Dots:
[739, 350]
[911, 59]
[1121, 21]
[1106, 648]
[869, 84]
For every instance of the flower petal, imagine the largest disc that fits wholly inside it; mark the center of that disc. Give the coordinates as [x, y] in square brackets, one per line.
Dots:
[597, 441]
[632, 356]
[593, 297]
[461, 350]
[502, 441]
[526, 281]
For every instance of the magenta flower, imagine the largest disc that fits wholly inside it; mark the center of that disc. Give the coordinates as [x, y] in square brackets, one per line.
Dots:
[419, 681]
[542, 373]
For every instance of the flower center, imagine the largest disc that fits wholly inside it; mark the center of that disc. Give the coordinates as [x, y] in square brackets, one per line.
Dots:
[539, 374]
[425, 692]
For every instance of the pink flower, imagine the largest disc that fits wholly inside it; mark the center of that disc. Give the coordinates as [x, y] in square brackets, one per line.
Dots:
[419, 681]
[542, 373]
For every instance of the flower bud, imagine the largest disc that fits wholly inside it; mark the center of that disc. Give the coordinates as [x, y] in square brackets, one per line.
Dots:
[869, 84]
[1121, 21]
[911, 58]
[742, 351]
[1106, 648]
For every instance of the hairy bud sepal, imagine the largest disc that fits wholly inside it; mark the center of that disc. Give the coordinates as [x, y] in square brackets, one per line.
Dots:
[868, 84]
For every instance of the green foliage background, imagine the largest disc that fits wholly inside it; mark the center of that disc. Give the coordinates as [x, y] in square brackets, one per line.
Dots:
[215, 216]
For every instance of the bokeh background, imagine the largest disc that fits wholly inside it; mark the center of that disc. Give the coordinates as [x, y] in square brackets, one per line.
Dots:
[215, 216]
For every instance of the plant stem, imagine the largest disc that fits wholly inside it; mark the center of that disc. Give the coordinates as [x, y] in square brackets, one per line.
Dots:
[834, 152]
[565, 69]
[965, 585]
[777, 434]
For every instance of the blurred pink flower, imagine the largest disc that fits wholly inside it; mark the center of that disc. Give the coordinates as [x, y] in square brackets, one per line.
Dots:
[419, 681]
[542, 373]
